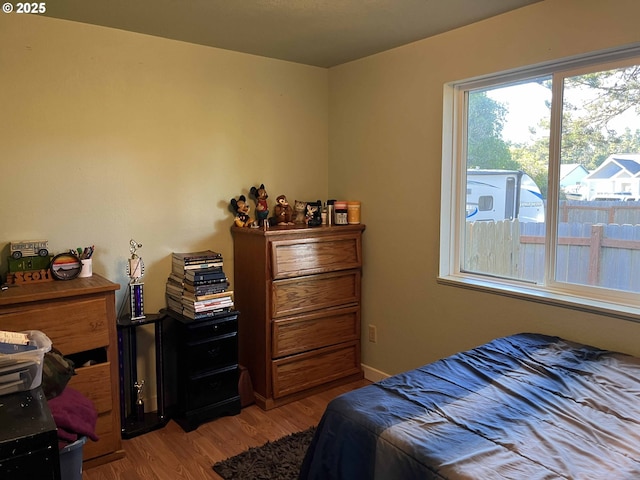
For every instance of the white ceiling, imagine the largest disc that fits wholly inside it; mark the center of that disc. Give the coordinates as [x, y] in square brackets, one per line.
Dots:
[324, 33]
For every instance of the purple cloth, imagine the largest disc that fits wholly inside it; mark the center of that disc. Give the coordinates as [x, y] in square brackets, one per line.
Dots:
[74, 414]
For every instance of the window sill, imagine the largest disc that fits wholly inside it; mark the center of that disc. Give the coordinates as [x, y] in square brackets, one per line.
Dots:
[532, 294]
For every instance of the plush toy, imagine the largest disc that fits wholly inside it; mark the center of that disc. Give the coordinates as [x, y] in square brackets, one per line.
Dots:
[241, 208]
[262, 207]
[283, 211]
[299, 209]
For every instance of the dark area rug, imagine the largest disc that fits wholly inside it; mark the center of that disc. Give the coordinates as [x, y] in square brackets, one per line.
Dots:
[278, 460]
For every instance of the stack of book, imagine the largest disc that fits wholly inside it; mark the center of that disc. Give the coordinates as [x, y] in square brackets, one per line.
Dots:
[197, 286]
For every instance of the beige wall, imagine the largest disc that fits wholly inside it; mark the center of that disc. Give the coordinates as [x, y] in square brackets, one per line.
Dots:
[385, 117]
[107, 135]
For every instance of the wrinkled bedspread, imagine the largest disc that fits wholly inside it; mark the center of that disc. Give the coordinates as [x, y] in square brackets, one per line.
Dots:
[526, 406]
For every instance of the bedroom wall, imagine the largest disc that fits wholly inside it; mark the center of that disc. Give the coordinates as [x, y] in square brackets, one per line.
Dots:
[385, 118]
[108, 135]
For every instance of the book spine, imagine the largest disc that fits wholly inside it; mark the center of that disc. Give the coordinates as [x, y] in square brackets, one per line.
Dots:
[203, 304]
[192, 283]
[186, 258]
[8, 348]
[14, 337]
[199, 277]
[197, 266]
[208, 314]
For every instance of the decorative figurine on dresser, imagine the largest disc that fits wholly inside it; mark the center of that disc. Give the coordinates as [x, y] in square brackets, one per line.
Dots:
[299, 212]
[241, 209]
[262, 207]
[283, 214]
[298, 289]
[313, 216]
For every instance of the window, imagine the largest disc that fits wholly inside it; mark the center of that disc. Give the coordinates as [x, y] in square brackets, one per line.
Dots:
[541, 181]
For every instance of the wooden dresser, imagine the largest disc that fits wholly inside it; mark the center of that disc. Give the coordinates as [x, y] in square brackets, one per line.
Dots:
[298, 293]
[80, 319]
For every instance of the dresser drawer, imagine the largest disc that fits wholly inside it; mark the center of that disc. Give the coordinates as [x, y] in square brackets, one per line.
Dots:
[306, 256]
[298, 334]
[301, 372]
[72, 327]
[212, 354]
[94, 382]
[314, 292]
[109, 439]
[206, 390]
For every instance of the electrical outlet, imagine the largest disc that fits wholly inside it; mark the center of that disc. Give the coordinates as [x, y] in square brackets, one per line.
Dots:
[373, 334]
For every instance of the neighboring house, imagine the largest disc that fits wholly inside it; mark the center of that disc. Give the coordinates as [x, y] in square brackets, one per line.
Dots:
[617, 178]
[571, 177]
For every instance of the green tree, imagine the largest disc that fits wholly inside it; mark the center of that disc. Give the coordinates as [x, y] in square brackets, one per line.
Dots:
[485, 146]
[592, 102]
[533, 159]
[612, 93]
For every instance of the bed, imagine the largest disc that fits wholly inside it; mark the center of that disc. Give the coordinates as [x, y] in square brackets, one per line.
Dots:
[527, 406]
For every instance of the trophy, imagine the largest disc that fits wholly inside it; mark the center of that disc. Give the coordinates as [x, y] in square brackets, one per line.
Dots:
[135, 270]
[139, 400]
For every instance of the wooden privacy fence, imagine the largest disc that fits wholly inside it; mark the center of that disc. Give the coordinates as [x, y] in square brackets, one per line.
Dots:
[607, 212]
[604, 255]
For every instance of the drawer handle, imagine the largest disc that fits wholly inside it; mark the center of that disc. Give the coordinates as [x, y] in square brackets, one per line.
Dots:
[214, 352]
[215, 385]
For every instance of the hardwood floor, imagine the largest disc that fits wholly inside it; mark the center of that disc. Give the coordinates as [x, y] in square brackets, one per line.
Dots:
[171, 454]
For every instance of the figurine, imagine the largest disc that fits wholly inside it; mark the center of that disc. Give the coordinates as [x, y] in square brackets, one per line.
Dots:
[241, 208]
[262, 207]
[139, 400]
[283, 211]
[300, 212]
[314, 213]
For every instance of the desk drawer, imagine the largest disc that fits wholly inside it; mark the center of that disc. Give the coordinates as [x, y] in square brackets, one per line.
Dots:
[306, 256]
[293, 296]
[72, 327]
[298, 334]
[301, 372]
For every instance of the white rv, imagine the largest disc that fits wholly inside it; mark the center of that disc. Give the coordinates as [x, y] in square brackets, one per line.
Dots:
[503, 195]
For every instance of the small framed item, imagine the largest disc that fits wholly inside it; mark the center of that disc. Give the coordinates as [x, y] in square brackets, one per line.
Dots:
[66, 266]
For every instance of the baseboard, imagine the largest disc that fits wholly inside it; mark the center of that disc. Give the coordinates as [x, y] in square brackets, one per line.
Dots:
[372, 374]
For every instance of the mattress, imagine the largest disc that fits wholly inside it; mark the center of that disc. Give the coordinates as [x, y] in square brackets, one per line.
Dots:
[527, 406]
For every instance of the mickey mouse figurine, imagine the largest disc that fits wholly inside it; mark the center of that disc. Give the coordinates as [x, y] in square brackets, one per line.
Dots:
[262, 207]
[241, 208]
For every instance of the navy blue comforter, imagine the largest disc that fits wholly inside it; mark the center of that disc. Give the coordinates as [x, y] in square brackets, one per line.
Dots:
[526, 406]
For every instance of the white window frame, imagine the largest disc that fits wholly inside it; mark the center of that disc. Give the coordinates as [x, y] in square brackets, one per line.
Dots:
[453, 198]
